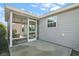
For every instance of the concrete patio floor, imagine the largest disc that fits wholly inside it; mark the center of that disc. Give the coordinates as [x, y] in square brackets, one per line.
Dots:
[39, 48]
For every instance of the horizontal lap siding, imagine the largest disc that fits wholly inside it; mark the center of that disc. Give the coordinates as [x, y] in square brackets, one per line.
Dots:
[67, 23]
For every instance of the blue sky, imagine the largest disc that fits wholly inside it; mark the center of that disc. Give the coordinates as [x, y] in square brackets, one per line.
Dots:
[35, 8]
[2, 13]
[38, 8]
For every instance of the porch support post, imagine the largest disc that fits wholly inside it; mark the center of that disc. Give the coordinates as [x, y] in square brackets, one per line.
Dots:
[36, 29]
[10, 24]
[28, 30]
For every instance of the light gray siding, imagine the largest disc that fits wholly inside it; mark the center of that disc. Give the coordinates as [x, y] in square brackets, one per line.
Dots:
[67, 24]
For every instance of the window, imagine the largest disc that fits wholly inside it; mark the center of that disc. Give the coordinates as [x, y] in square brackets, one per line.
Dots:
[22, 28]
[32, 27]
[52, 21]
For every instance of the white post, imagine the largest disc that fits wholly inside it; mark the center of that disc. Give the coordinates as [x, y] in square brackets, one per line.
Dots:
[28, 30]
[36, 30]
[10, 24]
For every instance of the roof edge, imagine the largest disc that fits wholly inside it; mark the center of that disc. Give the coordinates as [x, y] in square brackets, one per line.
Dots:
[60, 10]
[45, 15]
[21, 11]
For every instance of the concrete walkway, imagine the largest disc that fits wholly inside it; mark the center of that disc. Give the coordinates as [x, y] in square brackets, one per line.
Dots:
[39, 48]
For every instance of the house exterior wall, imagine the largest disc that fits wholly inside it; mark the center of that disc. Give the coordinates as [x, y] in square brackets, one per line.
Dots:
[65, 33]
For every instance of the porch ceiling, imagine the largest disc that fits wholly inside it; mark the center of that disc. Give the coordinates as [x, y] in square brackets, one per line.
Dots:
[16, 18]
[19, 19]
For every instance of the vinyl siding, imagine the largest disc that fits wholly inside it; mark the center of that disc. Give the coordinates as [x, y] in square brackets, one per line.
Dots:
[67, 24]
